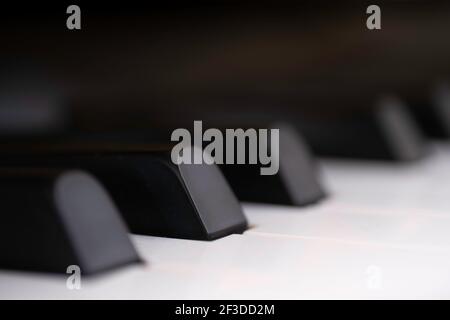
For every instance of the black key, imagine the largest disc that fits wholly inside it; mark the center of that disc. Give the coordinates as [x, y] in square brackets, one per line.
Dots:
[296, 183]
[433, 113]
[155, 196]
[51, 219]
[385, 132]
[31, 103]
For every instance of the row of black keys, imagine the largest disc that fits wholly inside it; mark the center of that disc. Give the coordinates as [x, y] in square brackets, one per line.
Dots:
[59, 205]
[73, 203]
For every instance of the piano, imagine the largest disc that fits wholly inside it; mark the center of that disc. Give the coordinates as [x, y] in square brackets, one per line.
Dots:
[359, 208]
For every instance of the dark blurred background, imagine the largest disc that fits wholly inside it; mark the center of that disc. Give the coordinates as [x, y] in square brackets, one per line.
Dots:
[138, 66]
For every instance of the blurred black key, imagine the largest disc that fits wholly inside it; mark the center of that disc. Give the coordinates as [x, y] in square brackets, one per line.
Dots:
[433, 112]
[51, 219]
[385, 132]
[297, 181]
[31, 103]
[155, 196]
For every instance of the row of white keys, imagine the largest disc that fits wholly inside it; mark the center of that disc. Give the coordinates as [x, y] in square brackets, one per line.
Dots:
[418, 187]
[351, 225]
[372, 203]
[254, 267]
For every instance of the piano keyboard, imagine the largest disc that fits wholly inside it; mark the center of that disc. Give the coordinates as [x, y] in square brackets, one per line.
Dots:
[386, 222]
[358, 207]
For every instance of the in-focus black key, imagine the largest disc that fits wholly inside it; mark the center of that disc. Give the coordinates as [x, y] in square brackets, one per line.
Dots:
[385, 132]
[297, 181]
[51, 219]
[155, 196]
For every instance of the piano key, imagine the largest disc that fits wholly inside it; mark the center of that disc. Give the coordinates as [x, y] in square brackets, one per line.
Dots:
[52, 219]
[387, 132]
[345, 223]
[387, 188]
[32, 103]
[256, 267]
[372, 202]
[433, 112]
[154, 195]
[296, 183]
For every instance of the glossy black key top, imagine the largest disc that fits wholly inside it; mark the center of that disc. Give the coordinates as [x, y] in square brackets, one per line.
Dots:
[385, 132]
[155, 196]
[52, 219]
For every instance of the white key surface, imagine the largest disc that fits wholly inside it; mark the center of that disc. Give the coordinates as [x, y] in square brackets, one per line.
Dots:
[254, 267]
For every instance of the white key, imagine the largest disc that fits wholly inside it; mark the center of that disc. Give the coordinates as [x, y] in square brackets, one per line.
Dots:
[348, 224]
[422, 186]
[253, 267]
